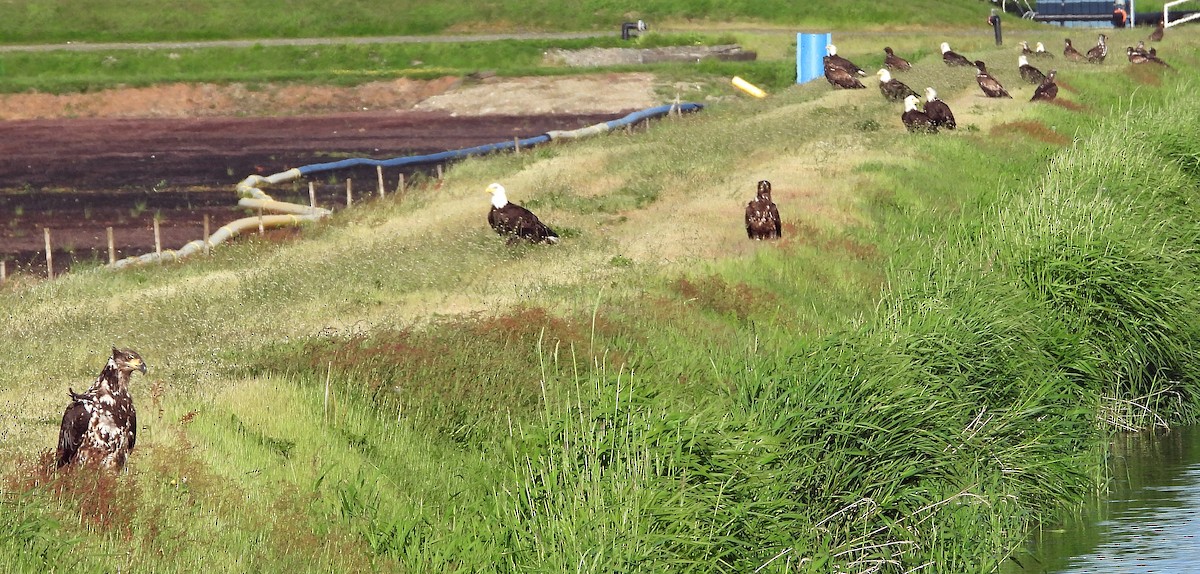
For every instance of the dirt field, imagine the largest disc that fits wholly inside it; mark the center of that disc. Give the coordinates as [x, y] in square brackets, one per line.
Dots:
[79, 163]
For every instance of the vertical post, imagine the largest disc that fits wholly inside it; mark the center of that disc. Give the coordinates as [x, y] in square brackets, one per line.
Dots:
[49, 254]
[112, 247]
[3, 271]
[261, 230]
[400, 185]
[379, 172]
[516, 144]
[157, 239]
[349, 198]
[994, 20]
[312, 195]
[439, 172]
[207, 247]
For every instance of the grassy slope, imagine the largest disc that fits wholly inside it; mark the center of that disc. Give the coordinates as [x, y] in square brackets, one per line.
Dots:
[655, 391]
[40, 21]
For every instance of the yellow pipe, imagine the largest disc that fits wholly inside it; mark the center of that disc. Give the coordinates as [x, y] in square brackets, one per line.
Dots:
[747, 87]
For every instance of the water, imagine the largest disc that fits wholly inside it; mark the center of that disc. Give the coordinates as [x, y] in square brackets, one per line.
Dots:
[1149, 522]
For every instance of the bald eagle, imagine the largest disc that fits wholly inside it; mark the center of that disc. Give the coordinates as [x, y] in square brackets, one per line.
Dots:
[915, 120]
[952, 58]
[894, 62]
[1040, 51]
[842, 78]
[762, 216]
[939, 113]
[99, 427]
[1098, 52]
[891, 88]
[1028, 72]
[833, 60]
[515, 221]
[991, 88]
[1047, 90]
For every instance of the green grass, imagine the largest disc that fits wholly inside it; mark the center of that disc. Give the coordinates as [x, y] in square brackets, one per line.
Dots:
[928, 365]
[49, 21]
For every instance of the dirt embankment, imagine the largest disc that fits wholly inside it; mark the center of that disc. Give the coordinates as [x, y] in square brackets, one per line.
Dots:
[79, 163]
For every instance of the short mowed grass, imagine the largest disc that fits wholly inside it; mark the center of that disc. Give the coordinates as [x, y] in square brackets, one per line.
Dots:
[927, 366]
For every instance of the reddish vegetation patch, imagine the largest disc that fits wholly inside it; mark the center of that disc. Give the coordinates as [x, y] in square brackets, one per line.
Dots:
[1068, 104]
[803, 233]
[1036, 130]
[712, 292]
[1148, 74]
[105, 501]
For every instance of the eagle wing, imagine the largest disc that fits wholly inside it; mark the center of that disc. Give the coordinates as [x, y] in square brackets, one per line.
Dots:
[517, 221]
[74, 427]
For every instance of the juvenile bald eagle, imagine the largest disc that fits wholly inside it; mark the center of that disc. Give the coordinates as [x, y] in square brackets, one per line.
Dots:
[842, 78]
[891, 88]
[1157, 34]
[1070, 53]
[894, 62]
[1145, 57]
[939, 113]
[916, 120]
[516, 222]
[1047, 90]
[990, 86]
[762, 216]
[1098, 52]
[99, 427]
[1028, 72]
[952, 58]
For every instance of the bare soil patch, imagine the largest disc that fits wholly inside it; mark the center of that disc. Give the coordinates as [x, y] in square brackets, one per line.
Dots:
[79, 163]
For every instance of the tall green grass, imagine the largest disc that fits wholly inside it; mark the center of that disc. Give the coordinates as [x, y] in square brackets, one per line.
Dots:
[912, 388]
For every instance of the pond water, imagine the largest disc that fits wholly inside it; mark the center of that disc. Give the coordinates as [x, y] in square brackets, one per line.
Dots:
[1148, 522]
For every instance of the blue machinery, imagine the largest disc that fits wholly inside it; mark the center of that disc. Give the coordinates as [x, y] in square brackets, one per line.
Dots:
[291, 214]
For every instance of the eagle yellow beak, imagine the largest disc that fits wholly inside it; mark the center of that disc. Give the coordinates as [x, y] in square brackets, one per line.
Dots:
[139, 365]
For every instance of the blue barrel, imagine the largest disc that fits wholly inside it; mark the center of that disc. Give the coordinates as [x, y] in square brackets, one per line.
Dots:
[810, 54]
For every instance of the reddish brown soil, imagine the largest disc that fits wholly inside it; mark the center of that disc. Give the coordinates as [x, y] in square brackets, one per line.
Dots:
[79, 176]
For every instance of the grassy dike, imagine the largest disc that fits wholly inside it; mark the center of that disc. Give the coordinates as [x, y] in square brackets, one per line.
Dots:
[927, 366]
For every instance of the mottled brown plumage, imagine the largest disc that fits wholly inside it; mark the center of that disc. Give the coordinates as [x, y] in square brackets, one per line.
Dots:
[894, 62]
[842, 78]
[762, 215]
[1070, 53]
[99, 427]
[1029, 73]
[1098, 52]
[891, 88]
[990, 86]
[1047, 90]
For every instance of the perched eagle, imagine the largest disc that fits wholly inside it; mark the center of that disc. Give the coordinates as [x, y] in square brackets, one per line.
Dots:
[991, 88]
[915, 120]
[1029, 73]
[1040, 51]
[99, 427]
[833, 60]
[1070, 53]
[842, 78]
[939, 113]
[892, 89]
[762, 216]
[952, 58]
[515, 221]
[894, 62]
[1047, 90]
[1098, 52]
[1157, 34]
[1025, 50]
[1145, 57]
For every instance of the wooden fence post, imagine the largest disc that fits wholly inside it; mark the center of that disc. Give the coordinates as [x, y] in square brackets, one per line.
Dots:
[400, 185]
[379, 172]
[112, 246]
[207, 247]
[157, 239]
[349, 198]
[312, 195]
[49, 254]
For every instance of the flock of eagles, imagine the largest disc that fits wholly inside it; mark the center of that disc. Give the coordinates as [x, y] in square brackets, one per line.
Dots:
[842, 73]
[99, 427]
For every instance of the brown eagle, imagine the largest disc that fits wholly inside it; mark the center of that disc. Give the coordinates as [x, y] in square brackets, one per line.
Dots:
[892, 89]
[99, 427]
[762, 216]
[1047, 90]
[990, 86]
[939, 113]
[894, 62]
[515, 221]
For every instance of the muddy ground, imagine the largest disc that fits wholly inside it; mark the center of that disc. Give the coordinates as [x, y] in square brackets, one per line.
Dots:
[78, 164]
